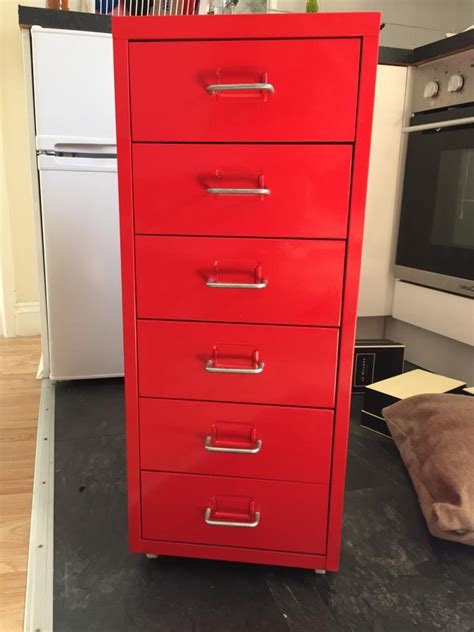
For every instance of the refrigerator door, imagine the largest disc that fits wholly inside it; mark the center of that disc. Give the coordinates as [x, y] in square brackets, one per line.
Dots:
[82, 266]
[74, 89]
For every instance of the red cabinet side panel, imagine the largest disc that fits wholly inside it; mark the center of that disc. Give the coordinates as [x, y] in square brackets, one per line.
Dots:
[351, 293]
[124, 150]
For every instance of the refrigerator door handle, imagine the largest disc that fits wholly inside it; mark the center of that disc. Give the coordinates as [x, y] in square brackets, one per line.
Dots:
[85, 148]
[55, 162]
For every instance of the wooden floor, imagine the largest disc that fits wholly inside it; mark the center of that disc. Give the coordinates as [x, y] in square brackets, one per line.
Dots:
[19, 403]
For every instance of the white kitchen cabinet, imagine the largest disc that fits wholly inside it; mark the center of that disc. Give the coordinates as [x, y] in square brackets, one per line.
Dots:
[385, 179]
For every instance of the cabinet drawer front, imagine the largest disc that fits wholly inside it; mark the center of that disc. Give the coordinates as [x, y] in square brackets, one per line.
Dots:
[315, 84]
[286, 516]
[172, 183]
[261, 364]
[240, 280]
[243, 440]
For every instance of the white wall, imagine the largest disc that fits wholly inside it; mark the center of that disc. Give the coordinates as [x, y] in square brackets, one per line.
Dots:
[413, 23]
[383, 189]
[410, 23]
[464, 14]
[7, 296]
[433, 352]
[18, 276]
[370, 327]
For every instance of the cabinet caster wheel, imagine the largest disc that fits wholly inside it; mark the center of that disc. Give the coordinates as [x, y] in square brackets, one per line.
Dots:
[319, 571]
[151, 556]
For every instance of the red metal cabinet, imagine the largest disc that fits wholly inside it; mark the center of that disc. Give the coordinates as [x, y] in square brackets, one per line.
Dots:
[240, 280]
[294, 104]
[272, 442]
[293, 366]
[275, 515]
[243, 146]
[177, 189]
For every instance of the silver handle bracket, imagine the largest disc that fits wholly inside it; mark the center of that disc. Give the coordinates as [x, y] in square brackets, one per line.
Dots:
[232, 87]
[237, 191]
[209, 366]
[213, 448]
[241, 286]
[223, 523]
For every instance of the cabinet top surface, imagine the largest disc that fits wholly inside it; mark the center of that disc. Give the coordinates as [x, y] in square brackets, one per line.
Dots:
[246, 26]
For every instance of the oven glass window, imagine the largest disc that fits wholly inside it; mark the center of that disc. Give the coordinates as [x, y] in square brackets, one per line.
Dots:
[437, 216]
[453, 217]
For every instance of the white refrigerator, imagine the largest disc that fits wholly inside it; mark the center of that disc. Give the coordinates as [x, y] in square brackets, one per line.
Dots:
[75, 142]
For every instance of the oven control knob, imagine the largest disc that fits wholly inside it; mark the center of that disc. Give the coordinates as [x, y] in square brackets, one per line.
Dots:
[455, 83]
[431, 90]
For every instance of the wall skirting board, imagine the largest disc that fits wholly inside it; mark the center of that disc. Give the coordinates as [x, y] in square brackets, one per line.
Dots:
[27, 319]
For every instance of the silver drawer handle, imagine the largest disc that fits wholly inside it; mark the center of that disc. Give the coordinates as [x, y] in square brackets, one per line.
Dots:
[241, 286]
[233, 191]
[229, 87]
[223, 523]
[212, 448]
[224, 369]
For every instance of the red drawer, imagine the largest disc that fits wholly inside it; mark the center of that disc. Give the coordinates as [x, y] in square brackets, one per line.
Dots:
[285, 281]
[315, 85]
[237, 363]
[272, 442]
[171, 185]
[285, 516]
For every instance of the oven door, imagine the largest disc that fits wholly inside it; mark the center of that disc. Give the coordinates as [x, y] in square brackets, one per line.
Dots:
[436, 235]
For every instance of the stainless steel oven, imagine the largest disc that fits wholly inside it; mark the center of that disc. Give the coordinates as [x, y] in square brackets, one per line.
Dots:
[436, 235]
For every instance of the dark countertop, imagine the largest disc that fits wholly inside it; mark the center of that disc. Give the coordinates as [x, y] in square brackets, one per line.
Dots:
[74, 20]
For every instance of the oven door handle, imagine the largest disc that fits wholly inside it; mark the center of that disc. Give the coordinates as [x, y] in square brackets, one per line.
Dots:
[439, 125]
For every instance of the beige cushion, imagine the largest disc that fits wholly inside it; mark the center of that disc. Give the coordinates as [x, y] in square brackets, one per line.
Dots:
[435, 437]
